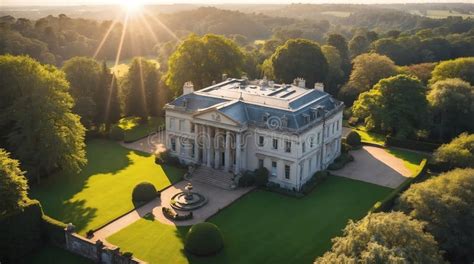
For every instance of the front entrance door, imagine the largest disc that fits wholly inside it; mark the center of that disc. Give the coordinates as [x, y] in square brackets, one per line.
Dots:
[223, 159]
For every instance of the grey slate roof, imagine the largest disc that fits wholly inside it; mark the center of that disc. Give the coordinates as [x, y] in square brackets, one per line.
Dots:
[247, 103]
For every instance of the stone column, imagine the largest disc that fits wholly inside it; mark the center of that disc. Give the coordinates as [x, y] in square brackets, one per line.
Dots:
[209, 146]
[216, 148]
[237, 153]
[227, 151]
[196, 144]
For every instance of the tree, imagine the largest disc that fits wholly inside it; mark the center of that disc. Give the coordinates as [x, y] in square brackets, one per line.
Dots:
[107, 98]
[36, 118]
[445, 204]
[459, 153]
[203, 60]
[141, 88]
[421, 71]
[340, 43]
[358, 45]
[452, 103]
[368, 69]
[462, 68]
[13, 185]
[383, 238]
[299, 58]
[83, 75]
[335, 75]
[396, 105]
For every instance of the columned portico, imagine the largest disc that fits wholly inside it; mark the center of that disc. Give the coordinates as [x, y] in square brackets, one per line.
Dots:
[238, 153]
[209, 146]
[227, 151]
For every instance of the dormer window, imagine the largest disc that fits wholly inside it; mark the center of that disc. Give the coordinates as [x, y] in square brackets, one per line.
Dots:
[284, 121]
[306, 118]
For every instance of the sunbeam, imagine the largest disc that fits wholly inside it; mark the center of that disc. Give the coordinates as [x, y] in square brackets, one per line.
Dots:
[106, 36]
[166, 28]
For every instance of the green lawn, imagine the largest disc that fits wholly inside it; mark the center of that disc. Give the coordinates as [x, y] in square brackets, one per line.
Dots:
[262, 227]
[134, 130]
[369, 137]
[102, 191]
[411, 159]
[50, 254]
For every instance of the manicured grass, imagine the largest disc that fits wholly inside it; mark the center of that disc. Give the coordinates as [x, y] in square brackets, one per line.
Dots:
[369, 137]
[134, 130]
[103, 190]
[411, 159]
[50, 254]
[262, 227]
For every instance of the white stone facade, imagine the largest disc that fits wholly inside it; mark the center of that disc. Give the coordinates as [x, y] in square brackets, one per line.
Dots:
[234, 134]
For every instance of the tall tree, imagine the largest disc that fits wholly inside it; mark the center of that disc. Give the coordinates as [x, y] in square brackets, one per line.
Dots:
[36, 118]
[452, 102]
[338, 41]
[358, 45]
[396, 105]
[335, 74]
[445, 204]
[299, 58]
[141, 88]
[107, 98]
[459, 153]
[13, 184]
[368, 69]
[83, 75]
[383, 238]
[203, 60]
[462, 68]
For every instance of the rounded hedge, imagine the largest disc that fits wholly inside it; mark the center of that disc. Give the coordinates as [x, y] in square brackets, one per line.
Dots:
[204, 239]
[144, 192]
[353, 139]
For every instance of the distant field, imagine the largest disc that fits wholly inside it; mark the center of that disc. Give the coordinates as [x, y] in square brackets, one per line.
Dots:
[337, 13]
[441, 14]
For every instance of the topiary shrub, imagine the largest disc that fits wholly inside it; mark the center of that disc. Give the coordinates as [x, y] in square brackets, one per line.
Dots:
[116, 133]
[261, 177]
[144, 192]
[204, 239]
[353, 139]
[165, 158]
[247, 179]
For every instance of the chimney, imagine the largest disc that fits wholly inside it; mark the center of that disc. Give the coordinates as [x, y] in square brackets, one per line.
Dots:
[224, 76]
[319, 86]
[188, 88]
[300, 82]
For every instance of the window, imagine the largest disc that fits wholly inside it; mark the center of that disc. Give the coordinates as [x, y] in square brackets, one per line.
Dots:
[274, 168]
[311, 142]
[304, 147]
[337, 125]
[193, 152]
[288, 146]
[287, 172]
[265, 117]
[333, 124]
[260, 141]
[173, 144]
[260, 163]
[192, 127]
[275, 143]
[319, 137]
[181, 125]
[171, 123]
[327, 131]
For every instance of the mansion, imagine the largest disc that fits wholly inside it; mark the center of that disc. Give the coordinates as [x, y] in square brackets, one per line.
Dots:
[240, 125]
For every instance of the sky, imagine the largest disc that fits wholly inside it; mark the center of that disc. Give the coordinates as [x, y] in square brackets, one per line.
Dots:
[96, 2]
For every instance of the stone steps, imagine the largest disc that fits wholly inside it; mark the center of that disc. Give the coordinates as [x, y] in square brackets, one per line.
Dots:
[213, 177]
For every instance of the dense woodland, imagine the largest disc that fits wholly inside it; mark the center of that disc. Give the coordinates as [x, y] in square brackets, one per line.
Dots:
[399, 74]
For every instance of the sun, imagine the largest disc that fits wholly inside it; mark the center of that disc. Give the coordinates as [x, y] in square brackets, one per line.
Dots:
[131, 6]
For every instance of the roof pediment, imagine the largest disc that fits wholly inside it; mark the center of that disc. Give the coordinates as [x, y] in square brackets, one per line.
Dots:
[216, 116]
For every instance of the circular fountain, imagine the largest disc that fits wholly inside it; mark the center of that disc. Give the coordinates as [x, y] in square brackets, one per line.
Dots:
[188, 200]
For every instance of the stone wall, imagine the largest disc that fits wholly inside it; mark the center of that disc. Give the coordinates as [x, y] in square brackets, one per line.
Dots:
[96, 251]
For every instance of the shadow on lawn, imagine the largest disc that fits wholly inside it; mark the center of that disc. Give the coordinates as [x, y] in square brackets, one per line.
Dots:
[55, 192]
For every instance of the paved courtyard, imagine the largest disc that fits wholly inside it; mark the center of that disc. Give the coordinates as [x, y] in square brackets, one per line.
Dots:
[375, 165]
[151, 144]
[217, 199]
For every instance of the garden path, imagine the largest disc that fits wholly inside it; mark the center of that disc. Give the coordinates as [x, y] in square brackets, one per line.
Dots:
[217, 199]
[375, 165]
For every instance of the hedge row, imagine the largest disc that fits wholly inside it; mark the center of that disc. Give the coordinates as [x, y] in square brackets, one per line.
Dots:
[24, 231]
[411, 144]
[388, 202]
